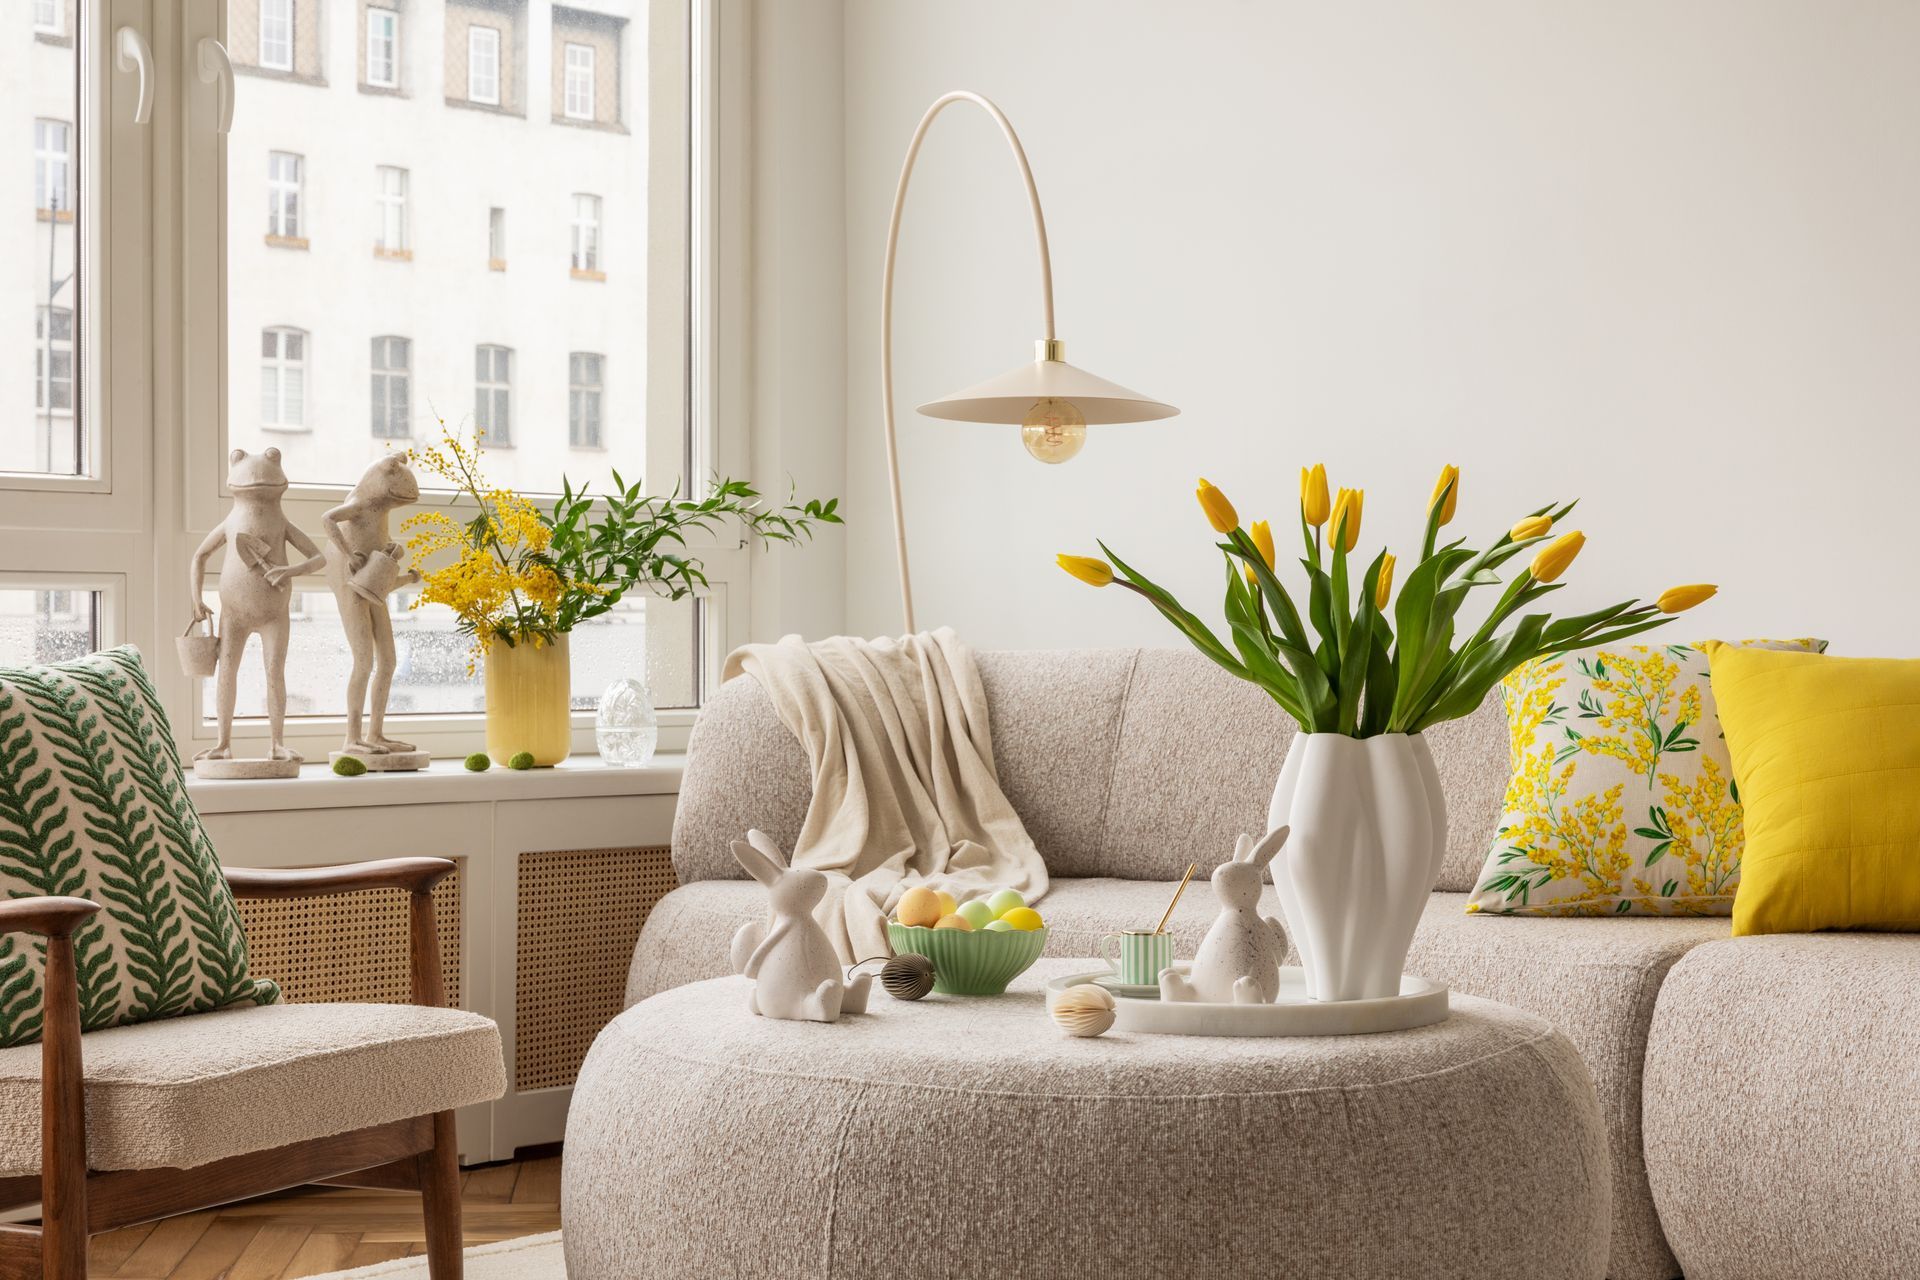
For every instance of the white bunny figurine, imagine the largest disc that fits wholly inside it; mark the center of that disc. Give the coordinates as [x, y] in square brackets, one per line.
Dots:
[796, 975]
[1239, 959]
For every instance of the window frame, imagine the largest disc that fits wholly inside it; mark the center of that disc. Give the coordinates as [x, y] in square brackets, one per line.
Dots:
[384, 375]
[492, 393]
[474, 33]
[585, 253]
[378, 16]
[281, 363]
[392, 206]
[578, 390]
[54, 26]
[46, 345]
[589, 72]
[45, 161]
[291, 23]
[497, 237]
[286, 197]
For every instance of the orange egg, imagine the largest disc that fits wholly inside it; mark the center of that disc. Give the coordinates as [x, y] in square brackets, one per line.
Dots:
[919, 907]
[954, 922]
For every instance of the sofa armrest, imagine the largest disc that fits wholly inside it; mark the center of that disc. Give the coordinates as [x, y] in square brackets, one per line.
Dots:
[415, 875]
[48, 917]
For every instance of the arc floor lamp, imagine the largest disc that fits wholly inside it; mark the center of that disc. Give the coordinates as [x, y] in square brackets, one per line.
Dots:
[1052, 401]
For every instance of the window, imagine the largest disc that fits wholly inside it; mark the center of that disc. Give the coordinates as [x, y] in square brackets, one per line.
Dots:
[276, 34]
[497, 239]
[283, 379]
[48, 18]
[391, 238]
[586, 233]
[283, 195]
[47, 626]
[53, 360]
[483, 65]
[53, 166]
[493, 394]
[383, 48]
[584, 389]
[392, 388]
[579, 86]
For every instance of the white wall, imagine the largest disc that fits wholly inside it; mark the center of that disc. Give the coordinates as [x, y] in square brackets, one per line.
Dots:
[1665, 257]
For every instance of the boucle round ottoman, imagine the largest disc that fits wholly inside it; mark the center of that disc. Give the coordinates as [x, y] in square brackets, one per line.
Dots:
[970, 1137]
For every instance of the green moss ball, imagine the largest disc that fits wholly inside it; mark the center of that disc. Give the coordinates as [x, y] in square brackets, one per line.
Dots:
[349, 766]
[479, 762]
[521, 760]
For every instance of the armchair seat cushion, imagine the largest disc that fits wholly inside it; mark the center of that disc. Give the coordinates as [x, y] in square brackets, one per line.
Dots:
[185, 1091]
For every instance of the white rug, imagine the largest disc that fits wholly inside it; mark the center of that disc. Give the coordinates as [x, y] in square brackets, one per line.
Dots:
[528, 1258]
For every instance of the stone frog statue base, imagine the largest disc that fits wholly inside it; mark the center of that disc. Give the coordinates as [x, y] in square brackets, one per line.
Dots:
[256, 594]
[363, 568]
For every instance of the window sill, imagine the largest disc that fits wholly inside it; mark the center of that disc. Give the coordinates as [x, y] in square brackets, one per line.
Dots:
[278, 73]
[468, 104]
[581, 273]
[393, 255]
[579, 122]
[383, 90]
[496, 264]
[54, 38]
[54, 215]
[286, 242]
[442, 782]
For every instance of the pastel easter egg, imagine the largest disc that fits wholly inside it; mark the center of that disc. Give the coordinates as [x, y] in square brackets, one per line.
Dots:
[1026, 919]
[1004, 901]
[997, 926]
[959, 922]
[976, 913]
[948, 903]
[919, 907]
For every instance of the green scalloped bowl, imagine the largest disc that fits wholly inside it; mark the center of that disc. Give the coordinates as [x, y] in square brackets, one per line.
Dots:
[971, 962]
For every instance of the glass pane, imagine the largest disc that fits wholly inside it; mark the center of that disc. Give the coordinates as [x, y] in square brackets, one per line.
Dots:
[42, 430]
[430, 675]
[47, 626]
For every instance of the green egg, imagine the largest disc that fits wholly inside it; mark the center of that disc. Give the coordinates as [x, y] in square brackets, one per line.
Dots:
[976, 913]
[349, 766]
[521, 760]
[479, 762]
[998, 926]
[1005, 901]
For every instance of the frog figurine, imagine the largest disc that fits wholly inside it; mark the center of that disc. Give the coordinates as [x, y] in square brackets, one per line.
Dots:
[256, 596]
[365, 564]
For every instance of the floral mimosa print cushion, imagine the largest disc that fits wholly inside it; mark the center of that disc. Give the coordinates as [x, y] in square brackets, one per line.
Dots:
[1621, 799]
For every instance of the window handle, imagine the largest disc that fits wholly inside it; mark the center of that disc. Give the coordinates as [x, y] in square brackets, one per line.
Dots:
[132, 54]
[216, 67]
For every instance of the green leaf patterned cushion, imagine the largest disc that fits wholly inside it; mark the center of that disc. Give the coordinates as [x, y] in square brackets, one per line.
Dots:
[93, 805]
[1621, 799]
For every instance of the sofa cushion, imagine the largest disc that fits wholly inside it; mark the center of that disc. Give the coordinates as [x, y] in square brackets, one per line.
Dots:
[1597, 981]
[186, 1091]
[93, 805]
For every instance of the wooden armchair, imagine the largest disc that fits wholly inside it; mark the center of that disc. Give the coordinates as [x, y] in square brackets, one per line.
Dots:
[359, 1063]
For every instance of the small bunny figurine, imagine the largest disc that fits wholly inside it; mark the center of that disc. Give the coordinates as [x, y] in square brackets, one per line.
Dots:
[1239, 959]
[796, 975]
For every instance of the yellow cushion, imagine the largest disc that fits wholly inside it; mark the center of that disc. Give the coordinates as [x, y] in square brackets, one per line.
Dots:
[1827, 755]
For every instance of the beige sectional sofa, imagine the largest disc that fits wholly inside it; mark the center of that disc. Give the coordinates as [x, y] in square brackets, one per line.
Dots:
[1762, 1096]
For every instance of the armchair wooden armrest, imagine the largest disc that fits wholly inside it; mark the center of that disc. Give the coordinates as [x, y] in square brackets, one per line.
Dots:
[415, 875]
[48, 917]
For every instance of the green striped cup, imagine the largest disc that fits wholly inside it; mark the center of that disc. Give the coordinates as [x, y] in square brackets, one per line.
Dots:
[1138, 955]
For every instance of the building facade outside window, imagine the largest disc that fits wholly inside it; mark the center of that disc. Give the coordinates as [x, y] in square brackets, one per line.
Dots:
[493, 394]
[48, 18]
[579, 88]
[483, 65]
[586, 233]
[283, 195]
[392, 388]
[584, 390]
[497, 238]
[391, 200]
[383, 48]
[52, 166]
[283, 379]
[53, 359]
[276, 34]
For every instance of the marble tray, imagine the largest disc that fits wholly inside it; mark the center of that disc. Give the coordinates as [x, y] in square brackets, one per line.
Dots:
[1420, 1003]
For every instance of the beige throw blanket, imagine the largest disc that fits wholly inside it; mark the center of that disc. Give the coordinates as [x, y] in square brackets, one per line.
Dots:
[904, 786]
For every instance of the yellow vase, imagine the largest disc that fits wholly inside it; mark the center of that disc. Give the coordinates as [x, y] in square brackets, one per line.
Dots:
[527, 691]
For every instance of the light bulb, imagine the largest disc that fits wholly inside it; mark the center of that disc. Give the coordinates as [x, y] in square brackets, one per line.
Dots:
[1053, 430]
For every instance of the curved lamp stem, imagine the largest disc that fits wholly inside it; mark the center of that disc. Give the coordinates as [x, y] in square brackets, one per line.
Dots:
[886, 302]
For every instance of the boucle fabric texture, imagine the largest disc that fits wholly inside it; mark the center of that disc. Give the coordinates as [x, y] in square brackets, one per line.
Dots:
[186, 1091]
[1622, 798]
[970, 1137]
[1126, 763]
[905, 793]
[93, 805]
[1812, 1166]
[1597, 981]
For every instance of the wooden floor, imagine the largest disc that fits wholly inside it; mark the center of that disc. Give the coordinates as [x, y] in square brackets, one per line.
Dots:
[313, 1230]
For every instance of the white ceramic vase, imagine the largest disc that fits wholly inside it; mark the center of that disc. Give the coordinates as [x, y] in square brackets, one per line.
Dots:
[1369, 830]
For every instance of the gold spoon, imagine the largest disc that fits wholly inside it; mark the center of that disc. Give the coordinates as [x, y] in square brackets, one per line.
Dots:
[1162, 926]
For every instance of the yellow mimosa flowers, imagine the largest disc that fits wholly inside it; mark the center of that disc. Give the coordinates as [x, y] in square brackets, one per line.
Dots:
[1680, 599]
[1383, 592]
[1446, 493]
[1091, 570]
[1220, 512]
[1557, 555]
[1315, 506]
[1346, 507]
[1531, 527]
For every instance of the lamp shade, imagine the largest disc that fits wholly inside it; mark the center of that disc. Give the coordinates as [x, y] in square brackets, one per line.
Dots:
[1011, 396]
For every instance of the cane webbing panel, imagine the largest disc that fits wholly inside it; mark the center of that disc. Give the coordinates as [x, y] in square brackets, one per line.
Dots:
[348, 947]
[580, 913]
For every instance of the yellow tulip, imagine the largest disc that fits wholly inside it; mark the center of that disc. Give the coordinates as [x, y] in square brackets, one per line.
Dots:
[1263, 540]
[1346, 507]
[1220, 512]
[1091, 570]
[1557, 555]
[1680, 599]
[1446, 493]
[1384, 591]
[1314, 504]
[1531, 527]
